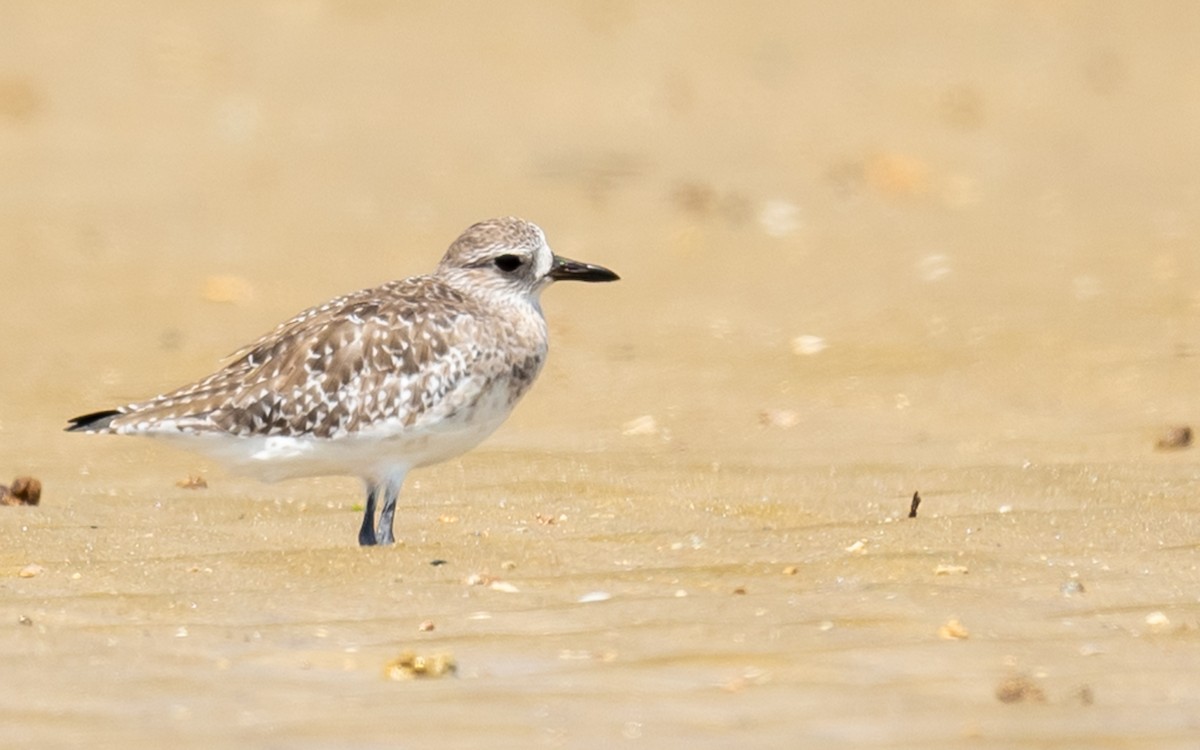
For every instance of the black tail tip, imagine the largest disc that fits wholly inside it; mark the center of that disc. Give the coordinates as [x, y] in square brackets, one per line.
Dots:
[97, 420]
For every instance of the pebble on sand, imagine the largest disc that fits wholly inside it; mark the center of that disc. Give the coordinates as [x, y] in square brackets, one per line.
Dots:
[22, 491]
[31, 570]
[193, 482]
[1072, 588]
[1174, 438]
[1158, 621]
[1019, 689]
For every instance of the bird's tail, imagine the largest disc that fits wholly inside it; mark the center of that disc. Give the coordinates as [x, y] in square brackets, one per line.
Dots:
[97, 421]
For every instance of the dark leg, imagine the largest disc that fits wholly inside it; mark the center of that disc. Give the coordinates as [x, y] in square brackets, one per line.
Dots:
[366, 535]
[384, 535]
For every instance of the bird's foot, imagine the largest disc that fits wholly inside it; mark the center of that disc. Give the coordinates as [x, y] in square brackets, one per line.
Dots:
[384, 536]
[366, 537]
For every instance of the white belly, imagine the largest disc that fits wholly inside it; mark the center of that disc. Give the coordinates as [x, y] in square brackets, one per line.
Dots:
[382, 450]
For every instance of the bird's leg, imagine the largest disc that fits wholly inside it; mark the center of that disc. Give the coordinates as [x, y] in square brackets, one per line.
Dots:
[384, 534]
[366, 535]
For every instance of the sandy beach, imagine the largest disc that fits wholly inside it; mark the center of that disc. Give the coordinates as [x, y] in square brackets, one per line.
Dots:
[867, 249]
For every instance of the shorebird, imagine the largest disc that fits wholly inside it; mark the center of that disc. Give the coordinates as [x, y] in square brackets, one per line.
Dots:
[378, 382]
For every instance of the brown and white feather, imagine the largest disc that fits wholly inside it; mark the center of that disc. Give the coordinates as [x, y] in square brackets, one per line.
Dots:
[410, 353]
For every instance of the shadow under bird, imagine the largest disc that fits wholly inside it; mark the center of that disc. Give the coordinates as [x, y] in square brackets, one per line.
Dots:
[377, 382]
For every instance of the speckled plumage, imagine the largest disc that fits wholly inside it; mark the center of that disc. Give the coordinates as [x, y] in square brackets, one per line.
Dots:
[379, 381]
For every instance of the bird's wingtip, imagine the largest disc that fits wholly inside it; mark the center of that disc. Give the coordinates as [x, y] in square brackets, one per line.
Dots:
[94, 422]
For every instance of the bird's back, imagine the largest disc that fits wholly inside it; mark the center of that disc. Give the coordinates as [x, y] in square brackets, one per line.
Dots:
[392, 359]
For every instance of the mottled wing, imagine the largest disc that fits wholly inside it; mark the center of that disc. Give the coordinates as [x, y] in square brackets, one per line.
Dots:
[395, 354]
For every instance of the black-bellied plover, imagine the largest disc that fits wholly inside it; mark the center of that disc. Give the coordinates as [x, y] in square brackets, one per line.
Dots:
[377, 382]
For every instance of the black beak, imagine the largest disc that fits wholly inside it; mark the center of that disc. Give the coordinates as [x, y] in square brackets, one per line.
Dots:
[565, 269]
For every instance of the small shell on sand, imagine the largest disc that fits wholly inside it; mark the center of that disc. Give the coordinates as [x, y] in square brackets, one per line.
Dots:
[950, 570]
[643, 425]
[953, 630]
[408, 666]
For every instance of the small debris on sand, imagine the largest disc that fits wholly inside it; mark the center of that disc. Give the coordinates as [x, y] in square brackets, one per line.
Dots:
[916, 502]
[784, 419]
[22, 491]
[749, 678]
[193, 482]
[779, 218]
[807, 345]
[896, 174]
[953, 630]
[694, 198]
[791, 570]
[1019, 689]
[31, 570]
[949, 570]
[643, 425]
[1158, 621]
[493, 583]
[1072, 588]
[426, 626]
[408, 666]
[1174, 438]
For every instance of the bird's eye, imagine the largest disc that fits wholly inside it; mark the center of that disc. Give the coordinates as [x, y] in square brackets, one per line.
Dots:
[508, 263]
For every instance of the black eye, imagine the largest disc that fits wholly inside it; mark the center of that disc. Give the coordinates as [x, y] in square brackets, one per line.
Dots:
[509, 263]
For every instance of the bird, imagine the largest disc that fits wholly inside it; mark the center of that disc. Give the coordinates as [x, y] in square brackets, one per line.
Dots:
[377, 382]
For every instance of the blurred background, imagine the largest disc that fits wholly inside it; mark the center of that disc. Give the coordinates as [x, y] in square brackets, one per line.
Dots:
[1003, 193]
[866, 247]
[802, 197]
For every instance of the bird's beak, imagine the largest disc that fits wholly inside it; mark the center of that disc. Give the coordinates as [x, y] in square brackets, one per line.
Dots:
[565, 269]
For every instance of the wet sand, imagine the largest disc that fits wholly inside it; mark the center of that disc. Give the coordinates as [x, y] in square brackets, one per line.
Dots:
[865, 250]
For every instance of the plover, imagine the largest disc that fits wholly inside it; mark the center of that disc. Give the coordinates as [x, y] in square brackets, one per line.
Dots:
[379, 381]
